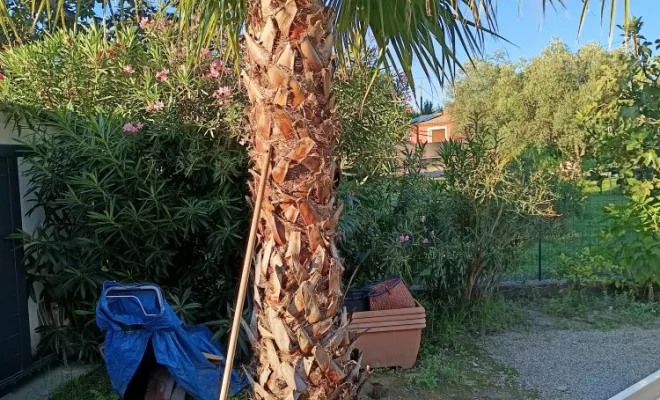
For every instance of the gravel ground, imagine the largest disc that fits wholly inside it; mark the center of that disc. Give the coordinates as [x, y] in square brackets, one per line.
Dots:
[578, 365]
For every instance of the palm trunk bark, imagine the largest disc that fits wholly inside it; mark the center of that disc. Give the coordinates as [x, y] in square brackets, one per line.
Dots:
[300, 338]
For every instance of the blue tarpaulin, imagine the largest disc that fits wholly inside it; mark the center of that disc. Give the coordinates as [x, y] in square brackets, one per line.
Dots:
[134, 316]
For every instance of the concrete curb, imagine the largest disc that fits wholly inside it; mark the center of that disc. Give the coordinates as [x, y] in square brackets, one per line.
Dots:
[646, 389]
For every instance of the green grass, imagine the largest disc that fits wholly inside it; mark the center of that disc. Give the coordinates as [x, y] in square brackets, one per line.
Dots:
[575, 233]
[443, 374]
[581, 309]
[451, 363]
[92, 386]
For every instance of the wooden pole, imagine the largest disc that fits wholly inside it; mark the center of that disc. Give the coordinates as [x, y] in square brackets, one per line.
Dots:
[245, 275]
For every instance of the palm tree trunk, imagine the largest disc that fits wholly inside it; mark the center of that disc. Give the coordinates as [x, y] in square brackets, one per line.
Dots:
[300, 338]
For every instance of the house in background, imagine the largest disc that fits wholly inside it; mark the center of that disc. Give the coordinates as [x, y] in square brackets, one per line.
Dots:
[431, 129]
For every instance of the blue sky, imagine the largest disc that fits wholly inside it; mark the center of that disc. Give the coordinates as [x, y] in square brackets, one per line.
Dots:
[530, 31]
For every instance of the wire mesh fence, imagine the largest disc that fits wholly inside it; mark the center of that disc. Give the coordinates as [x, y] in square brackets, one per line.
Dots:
[573, 234]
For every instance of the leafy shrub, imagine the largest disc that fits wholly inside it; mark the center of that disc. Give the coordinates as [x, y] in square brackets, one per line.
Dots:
[586, 267]
[634, 239]
[132, 155]
[149, 75]
[456, 236]
[373, 126]
[622, 122]
[388, 227]
[497, 207]
[569, 194]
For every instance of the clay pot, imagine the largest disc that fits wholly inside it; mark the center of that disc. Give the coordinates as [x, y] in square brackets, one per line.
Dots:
[389, 338]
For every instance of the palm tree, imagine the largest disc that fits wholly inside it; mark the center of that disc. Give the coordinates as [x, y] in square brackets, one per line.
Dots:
[298, 332]
[303, 346]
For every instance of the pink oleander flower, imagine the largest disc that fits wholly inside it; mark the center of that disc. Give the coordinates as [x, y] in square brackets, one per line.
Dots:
[130, 128]
[128, 69]
[223, 91]
[2, 77]
[204, 53]
[144, 22]
[404, 238]
[422, 219]
[195, 19]
[162, 75]
[215, 69]
[159, 25]
[425, 241]
[242, 142]
[155, 106]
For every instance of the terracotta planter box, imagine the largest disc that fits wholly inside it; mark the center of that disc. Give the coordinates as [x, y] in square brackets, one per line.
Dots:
[389, 338]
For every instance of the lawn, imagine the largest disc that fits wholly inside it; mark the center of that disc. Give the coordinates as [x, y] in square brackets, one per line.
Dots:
[574, 234]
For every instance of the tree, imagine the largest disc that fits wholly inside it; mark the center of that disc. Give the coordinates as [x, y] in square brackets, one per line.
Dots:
[427, 107]
[490, 91]
[534, 103]
[301, 347]
[557, 84]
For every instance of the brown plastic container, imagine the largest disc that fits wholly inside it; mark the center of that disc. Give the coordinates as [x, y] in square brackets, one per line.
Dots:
[389, 338]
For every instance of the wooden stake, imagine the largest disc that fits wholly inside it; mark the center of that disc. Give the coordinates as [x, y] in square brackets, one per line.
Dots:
[245, 276]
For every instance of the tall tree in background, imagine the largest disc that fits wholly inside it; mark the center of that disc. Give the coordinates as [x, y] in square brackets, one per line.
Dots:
[558, 84]
[490, 91]
[427, 107]
[534, 103]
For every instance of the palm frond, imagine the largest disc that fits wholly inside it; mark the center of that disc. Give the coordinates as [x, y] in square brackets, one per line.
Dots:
[612, 16]
[430, 33]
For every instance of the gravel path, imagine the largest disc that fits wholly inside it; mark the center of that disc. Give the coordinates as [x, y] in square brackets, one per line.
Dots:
[578, 365]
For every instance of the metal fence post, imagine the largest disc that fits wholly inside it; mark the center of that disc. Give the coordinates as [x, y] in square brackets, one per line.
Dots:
[540, 270]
